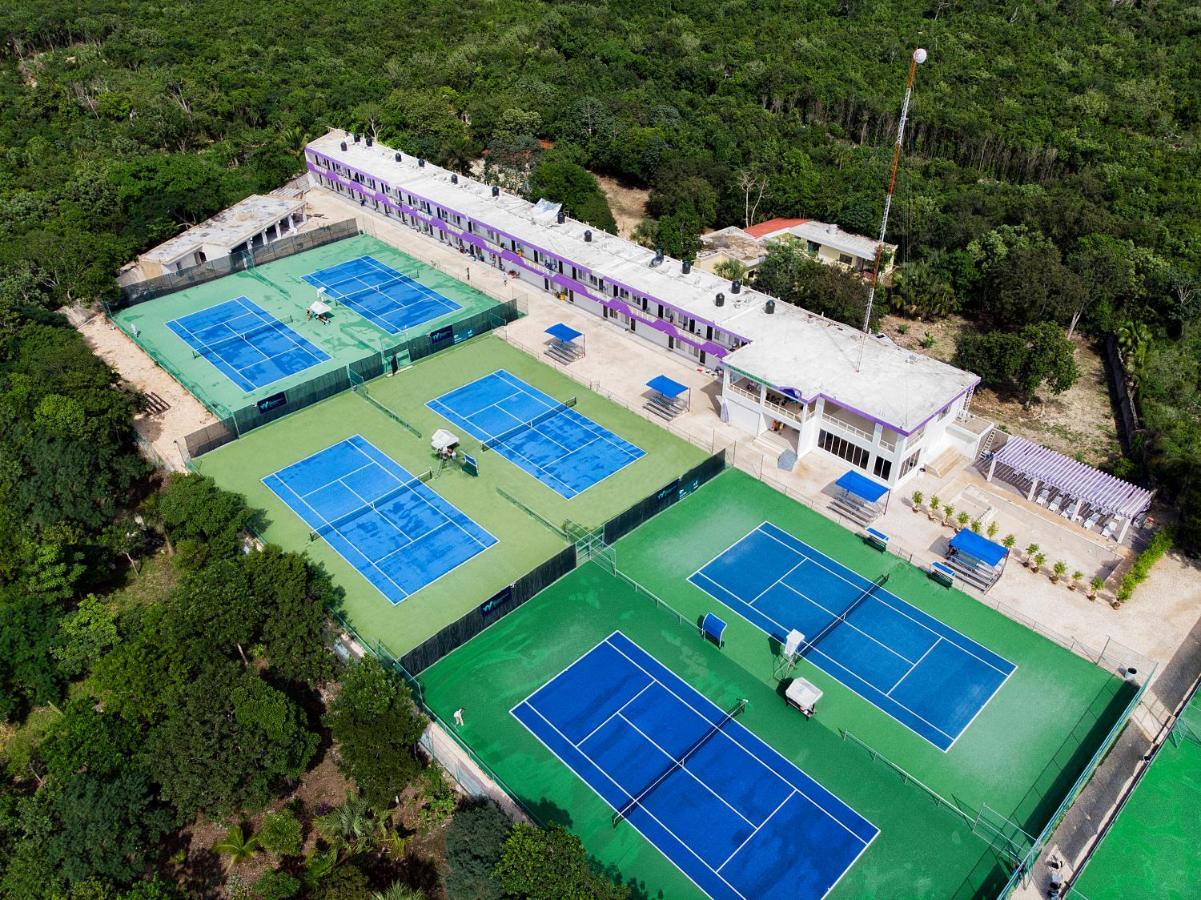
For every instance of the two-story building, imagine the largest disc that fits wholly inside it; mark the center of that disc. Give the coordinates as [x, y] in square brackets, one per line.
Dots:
[818, 384]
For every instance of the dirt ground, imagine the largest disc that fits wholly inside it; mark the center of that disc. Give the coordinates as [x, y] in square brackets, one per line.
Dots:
[1077, 422]
[627, 203]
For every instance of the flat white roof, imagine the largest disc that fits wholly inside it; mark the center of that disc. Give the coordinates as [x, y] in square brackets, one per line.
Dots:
[228, 228]
[789, 347]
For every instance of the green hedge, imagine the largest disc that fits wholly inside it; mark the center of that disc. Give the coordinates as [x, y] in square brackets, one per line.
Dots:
[1160, 544]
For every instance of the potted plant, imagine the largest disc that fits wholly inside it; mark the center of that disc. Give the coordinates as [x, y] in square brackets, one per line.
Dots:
[1030, 551]
[992, 529]
[976, 525]
[1009, 542]
[1095, 585]
[948, 514]
[1075, 582]
[935, 503]
[962, 520]
[1058, 571]
[918, 497]
[1039, 559]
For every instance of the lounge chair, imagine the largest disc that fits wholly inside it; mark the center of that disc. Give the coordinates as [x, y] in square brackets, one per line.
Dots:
[1110, 527]
[1041, 500]
[1093, 518]
[1056, 503]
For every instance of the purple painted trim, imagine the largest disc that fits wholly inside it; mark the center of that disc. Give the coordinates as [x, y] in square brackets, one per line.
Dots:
[525, 241]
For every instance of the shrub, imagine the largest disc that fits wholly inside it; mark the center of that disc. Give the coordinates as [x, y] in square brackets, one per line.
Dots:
[281, 833]
[1160, 544]
[473, 845]
[276, 885]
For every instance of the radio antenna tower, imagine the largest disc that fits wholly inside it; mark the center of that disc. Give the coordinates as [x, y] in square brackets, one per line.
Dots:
[919, 57]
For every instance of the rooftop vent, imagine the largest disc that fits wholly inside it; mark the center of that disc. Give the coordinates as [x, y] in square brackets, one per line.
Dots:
[344, 146]
[587, 237]
[719, 300]
[686, 266]
[454, 179]
[561, 217]
[770, 307]
[736, 286]
[421, 163]
[495, 191]
[398, 156]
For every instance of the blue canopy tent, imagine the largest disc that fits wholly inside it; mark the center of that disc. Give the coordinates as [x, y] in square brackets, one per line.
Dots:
[860, 497]
[566, 344]
[979, 560]
[668, 397]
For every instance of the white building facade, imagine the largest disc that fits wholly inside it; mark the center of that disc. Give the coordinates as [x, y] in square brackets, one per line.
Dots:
[817, 384]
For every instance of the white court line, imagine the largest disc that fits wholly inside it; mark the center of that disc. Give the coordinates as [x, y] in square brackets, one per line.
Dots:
[609, 718]
[912, 669]
[738, 849]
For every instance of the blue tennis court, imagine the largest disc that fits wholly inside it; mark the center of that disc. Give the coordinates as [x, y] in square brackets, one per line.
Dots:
[566, 451]
[730, 812]
[921, 672]
[246, 343]
[381, 295]
[390, 526]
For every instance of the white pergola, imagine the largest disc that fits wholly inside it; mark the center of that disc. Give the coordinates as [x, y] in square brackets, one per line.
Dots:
[1081, 483]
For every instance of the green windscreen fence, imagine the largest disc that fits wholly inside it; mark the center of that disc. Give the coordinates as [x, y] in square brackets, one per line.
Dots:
[496, 607]
[668, 495]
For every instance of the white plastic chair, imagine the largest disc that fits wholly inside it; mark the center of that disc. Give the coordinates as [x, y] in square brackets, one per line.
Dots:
[1056, 503]
[1041, 500]
[1093, 518]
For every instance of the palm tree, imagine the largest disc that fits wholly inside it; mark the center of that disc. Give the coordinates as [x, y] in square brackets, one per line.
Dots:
[399, 891]
[1031, 551]
[992, 529]
[1039, 559]
[1058, 571]
[949, 512]
[237, 845]
[935, 503]
[1075, 582]
[350, 825]
[1095, 585]
[1008, 542]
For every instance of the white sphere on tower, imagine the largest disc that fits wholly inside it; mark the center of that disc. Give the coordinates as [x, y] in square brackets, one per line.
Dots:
[919, 56]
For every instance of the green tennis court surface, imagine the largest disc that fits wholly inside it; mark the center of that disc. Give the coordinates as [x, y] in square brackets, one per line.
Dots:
[1152, 848]
[278, 289]
[1016, 760]
[523, 541]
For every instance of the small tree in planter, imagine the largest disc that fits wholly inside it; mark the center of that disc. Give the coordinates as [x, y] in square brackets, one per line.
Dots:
[1009, 542]
[1039, 559]
[976, 526]
[1075, 582]
[992, 529]
[918, 497]
[962, 519]
[1095, 585]
[1058, 571]
[1030, 551]
[935, 503]
[948, 514]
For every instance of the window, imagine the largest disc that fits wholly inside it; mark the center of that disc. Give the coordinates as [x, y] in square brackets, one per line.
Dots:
[845, 259]
[908, 464]
[812, 247]
[882, 468]
[842, 448]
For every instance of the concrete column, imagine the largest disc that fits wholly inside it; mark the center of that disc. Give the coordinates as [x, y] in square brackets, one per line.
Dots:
[877, 432]
[1122, 531]
[1033, 488]
[992, 467]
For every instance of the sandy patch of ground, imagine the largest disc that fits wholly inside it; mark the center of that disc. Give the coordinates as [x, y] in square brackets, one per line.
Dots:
[140, 372]
[1077, 422]
[627, 203]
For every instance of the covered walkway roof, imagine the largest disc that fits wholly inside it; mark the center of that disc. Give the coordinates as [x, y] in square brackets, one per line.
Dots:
[1098, 489]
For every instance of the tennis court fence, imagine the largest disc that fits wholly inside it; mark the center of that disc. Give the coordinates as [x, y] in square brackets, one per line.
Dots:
[211, 270]
[232, 425]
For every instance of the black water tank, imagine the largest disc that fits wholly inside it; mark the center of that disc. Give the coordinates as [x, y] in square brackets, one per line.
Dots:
[421, 163]
[356, 137]
[686, 266]
[454, 179]
[561, 217]
[736, 286]
[344, 145]
[587, 237]
[398, 156]
[769, 307]
[720, 300]
[495, 191]
[369, 139]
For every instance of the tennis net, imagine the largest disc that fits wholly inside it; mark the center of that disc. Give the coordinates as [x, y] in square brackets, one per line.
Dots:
[532, 423]
[337, 524]
[679, 762]
[846, 613]
[381, 288]
[211, 349]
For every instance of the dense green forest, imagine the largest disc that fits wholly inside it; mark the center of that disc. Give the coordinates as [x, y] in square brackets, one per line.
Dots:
[153, 677]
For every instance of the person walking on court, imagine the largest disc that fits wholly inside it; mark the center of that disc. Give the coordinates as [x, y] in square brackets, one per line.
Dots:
[459, 717]
[469, 273]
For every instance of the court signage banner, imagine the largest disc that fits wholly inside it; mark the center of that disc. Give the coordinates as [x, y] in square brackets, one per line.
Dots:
[442, 335]
[273, 402]
[497, 602]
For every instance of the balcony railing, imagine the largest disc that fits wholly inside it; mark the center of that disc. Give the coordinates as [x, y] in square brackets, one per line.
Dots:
[744, 392]
[846, 426]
